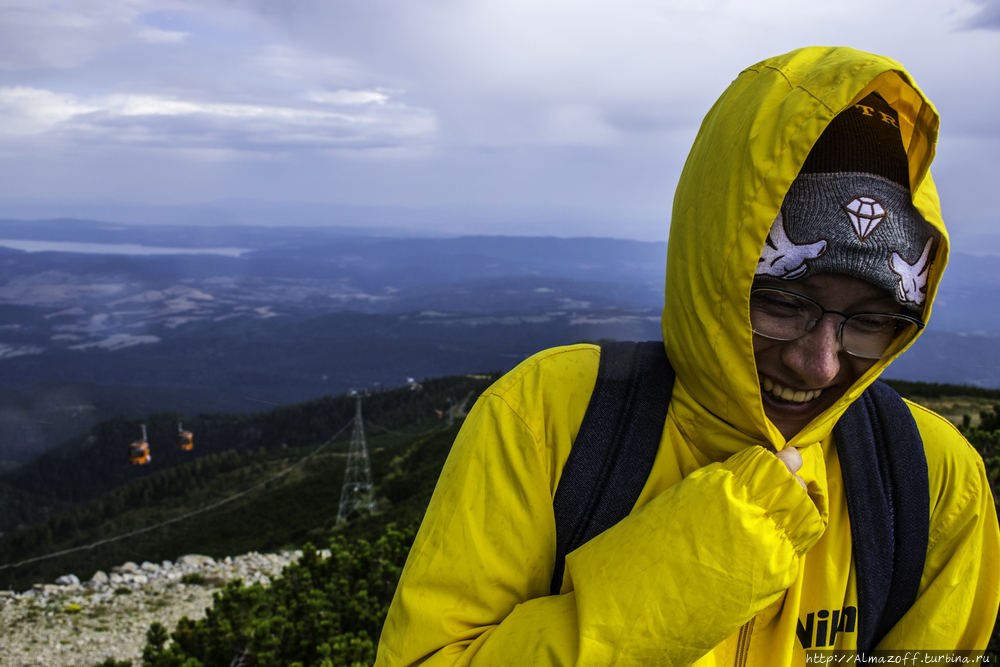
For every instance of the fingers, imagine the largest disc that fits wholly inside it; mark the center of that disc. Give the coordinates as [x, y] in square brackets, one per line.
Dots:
[793, 461]
[791, 458]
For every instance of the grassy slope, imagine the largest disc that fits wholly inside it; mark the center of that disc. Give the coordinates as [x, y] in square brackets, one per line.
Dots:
[281, 514]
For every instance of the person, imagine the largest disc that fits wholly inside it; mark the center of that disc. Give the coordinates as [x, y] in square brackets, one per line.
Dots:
[806, 246]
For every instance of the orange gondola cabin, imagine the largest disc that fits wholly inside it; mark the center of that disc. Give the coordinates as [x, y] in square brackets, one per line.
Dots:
[138, 451]
[185, 439]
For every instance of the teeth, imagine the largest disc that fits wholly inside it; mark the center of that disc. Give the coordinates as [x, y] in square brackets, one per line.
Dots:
[787, 394]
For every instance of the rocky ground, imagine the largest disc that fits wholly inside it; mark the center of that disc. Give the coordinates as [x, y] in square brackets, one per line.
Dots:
[82, 624]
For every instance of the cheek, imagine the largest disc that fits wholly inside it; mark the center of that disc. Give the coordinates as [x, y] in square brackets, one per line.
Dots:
[767, 357]
[859, 367]
[761, 344]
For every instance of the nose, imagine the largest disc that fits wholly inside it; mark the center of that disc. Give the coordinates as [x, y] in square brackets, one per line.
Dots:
[816, 356]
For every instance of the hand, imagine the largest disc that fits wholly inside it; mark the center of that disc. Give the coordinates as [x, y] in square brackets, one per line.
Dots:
[792, 460]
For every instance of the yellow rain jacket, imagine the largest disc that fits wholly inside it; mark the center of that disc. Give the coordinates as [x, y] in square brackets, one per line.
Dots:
[725, 559]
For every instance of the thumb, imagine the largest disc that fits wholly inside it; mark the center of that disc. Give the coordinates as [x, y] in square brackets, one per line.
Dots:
[792, 460]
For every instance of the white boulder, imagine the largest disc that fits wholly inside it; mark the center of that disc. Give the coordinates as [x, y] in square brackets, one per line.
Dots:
[195, 561]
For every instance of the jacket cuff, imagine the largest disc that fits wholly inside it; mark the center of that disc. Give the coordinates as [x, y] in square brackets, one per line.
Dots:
[770, 484]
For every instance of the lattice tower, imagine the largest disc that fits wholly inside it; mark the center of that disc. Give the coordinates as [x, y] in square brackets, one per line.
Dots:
[358, 494]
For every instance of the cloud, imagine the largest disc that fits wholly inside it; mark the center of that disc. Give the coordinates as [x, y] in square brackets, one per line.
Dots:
[563, 106]
[283, 61]
[578, 125]
[51, 34]
[156, 120]
[27, 111]
[986, 18]
[515, 73]
[347, 97]
[157, 36]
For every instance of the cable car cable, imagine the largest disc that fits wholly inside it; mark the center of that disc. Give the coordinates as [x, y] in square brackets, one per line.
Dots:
[411, 435]
[183, 516]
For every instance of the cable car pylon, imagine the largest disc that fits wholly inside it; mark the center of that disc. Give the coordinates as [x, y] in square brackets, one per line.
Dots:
[358, 493]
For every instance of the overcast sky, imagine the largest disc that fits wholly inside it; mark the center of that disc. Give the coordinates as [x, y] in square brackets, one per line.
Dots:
[566, 117]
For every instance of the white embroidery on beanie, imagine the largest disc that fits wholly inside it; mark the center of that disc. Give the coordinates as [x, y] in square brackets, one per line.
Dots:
[781, 258]
[866, 213]
[912, 286]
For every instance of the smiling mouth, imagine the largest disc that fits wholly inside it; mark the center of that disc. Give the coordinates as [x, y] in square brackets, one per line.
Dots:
[790, 395]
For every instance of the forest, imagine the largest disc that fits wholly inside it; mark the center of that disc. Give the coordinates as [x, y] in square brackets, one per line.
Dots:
[102, 495]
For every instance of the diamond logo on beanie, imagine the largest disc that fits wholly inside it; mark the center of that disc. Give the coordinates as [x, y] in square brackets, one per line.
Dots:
[866, 213]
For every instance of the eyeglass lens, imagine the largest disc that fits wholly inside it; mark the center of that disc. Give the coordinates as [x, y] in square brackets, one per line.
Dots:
[780, 315]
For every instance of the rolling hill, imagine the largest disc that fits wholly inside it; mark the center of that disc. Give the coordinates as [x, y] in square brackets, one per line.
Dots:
[93, 493]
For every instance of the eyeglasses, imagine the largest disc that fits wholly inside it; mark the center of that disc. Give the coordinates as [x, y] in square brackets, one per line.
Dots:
[781, 314]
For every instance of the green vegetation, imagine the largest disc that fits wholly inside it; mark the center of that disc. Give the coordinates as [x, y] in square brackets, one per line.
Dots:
[322, 611]
[915, 390]
[985, 437]
[23, 508]
[92, 465]
[990, 422]
[325, 612]
[284, 512]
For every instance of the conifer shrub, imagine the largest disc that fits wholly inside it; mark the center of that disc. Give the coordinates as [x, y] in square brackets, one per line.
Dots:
[111, 662]
[990, 421]
[322, 612]
[986, 439]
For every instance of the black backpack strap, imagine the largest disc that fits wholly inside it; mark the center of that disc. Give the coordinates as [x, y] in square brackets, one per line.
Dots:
[615, 446]
[881, 458]
[888, 500]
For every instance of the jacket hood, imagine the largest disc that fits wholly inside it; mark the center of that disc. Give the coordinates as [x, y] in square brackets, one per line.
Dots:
[749, 149]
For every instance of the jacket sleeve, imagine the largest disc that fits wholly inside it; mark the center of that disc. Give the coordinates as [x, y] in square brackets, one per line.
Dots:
[664, 581]
[960, 588]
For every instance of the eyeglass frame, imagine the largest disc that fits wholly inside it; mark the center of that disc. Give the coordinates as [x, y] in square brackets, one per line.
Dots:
[840, 328]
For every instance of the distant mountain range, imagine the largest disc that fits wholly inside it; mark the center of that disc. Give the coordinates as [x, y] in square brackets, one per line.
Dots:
[272, 316]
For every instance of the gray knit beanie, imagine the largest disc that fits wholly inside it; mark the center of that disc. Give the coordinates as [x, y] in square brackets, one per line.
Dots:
[849, 210]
